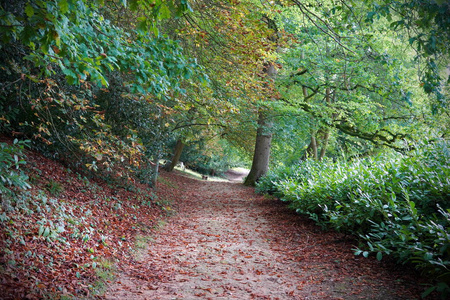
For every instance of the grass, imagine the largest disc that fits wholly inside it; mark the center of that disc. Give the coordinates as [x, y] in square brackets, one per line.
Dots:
[192, 174]
[105, 272]
[167, 182]
[140, 246]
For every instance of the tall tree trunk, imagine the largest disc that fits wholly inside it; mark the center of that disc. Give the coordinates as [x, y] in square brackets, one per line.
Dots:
[312, 153]
[312, 149]
[156, 171]
[326, 135]
[323, 150]
[176, 155]
[260, 164]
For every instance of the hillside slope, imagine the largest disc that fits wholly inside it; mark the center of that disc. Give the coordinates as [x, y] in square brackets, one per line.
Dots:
[64, 235]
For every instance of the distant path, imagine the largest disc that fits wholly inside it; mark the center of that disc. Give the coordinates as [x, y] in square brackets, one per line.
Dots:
[237, 175]
[225, 242]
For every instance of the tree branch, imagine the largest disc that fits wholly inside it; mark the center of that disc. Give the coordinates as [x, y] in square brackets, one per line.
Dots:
[344, 125]
[197, 124]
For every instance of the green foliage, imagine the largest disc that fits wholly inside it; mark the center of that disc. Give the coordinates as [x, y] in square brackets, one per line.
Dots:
[399, 205]
[363, 86]
[211, 156]
[60, 55]
[426, 25]
[55, 188]
[11, 158]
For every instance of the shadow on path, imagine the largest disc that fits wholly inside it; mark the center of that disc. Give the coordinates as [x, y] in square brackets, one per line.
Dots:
[225, 242]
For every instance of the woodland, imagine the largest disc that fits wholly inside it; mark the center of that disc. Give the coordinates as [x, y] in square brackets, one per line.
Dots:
[339, 110]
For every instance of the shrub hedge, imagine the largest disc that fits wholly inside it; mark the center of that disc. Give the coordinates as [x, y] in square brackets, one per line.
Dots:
[399, 205]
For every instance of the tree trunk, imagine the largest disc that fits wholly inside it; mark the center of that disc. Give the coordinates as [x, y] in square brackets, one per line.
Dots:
[312, 147]
[176, 155]
[311, 151]
[326, 135]
[323, 150]
[261, 155]
[155, 172]
[260, 164]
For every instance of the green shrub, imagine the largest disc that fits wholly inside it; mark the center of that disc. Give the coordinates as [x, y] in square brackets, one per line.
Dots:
[11, 158]
[398, 204]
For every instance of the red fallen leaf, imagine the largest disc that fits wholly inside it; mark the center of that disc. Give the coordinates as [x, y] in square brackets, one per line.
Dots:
[287, 233]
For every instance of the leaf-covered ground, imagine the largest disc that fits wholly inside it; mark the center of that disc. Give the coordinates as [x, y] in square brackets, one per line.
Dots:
[225, 242]
[64, 236]
[188, 239]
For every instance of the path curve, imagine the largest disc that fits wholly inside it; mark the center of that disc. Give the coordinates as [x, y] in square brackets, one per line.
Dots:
[236, 175]
[225, 242]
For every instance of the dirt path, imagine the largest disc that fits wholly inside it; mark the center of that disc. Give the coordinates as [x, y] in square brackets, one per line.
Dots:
[225, 242]
[237, 175]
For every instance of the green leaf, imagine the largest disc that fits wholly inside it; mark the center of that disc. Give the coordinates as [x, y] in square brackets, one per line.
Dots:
[133, 4]
[428, 291]
[379, 255]
[41, 230]
[63, 6]
[29, 10]
[142, 26]
[46, 232]
[164, 12]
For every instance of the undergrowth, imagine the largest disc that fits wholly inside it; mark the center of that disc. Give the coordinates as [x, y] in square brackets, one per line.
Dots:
[399, 205]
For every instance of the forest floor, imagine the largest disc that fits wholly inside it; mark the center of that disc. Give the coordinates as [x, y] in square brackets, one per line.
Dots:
[226, 242]
[72, 237]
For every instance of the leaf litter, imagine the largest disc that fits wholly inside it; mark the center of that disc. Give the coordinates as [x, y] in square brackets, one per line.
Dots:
[226, 242]
[186, 239]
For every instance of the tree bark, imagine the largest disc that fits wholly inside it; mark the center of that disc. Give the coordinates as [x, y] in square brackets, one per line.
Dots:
[325, 140]
[312, 153]
[326, 135]
[155, 172]
[261, 156]
[176, 155]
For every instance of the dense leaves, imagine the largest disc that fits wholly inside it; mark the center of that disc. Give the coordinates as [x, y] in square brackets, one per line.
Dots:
[64, 236]
[61, 57]
[398, 204]
[11, 175]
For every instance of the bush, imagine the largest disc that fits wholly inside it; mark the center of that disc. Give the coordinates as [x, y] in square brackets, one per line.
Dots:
[11, 158]
[399, 205]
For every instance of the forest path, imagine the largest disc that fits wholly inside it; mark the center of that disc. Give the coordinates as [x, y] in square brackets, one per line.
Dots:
[225, 242]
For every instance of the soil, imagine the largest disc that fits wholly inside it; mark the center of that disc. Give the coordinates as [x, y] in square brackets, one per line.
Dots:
[226, 242]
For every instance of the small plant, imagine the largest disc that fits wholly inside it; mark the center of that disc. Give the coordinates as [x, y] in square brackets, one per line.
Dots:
[54, 188]
[104, 270]
[10, 162]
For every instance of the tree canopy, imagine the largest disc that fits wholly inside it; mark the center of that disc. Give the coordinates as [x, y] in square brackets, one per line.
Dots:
[116, 82]
[347, 100]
